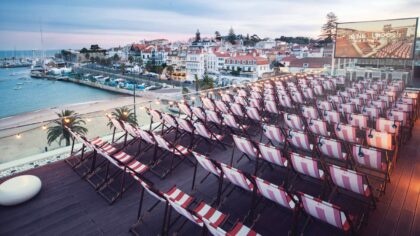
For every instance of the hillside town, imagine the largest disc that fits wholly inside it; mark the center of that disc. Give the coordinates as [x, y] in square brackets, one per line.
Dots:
[225, 59]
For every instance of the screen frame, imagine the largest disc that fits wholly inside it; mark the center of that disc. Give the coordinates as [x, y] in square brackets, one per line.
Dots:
[382, 58]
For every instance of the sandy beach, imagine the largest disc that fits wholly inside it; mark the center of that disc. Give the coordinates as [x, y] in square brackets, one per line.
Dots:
[33, 138]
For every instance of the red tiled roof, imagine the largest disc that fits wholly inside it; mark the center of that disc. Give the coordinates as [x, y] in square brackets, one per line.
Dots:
[288, 59]
[313, 62]
[221, 54]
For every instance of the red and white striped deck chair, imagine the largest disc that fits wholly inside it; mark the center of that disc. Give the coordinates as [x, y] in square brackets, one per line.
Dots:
[276, 194]
[357, 101]
[222, 107]
[332, 149]
[319, 90]
[282, 92]
[274, 134]
[353, 91]
[208, 136]
[199, 113]
[214, 117]
[254, 114]
[238, 110]
[337, 99]
[389, 100]
[170, 123]
[184, 211]
[390, 126]
[185, 109]
[186, 127]
[230, 121]
[325, 105]
[366, 97]
[325, 212]
[401, 116]
[270, 97]
[227, 98]
[297, 97]
[373, 162]
[328, 85]
[176, 150]
[241, 100]
[208, 103]
[239, 179]
[372, 112]
[254, 102]
[382, 105]
[242, 93]
[271, 107]
[357, 120]
[117, 126]
[212, 167]
[294, 122]
[306, 166]
[347, 108]
[332, 117]
[272, 155]
[308, 93]
[256, 95]
[352, 181]
[286, 102]
[309, 112]
[246, 146]
[377, 139]
[299, 140]
[210, 216]
[346, 133]
[134, 132]
[346, 95]
[155, 117]
[318, 127]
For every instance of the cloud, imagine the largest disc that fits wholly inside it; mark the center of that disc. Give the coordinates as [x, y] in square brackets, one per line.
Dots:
[132, 20]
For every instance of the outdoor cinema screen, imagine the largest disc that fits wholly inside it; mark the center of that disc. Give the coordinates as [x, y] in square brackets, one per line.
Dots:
[376, 39]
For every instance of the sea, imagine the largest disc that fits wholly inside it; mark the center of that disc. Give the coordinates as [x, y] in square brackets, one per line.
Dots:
[27, 53]
[19, 93]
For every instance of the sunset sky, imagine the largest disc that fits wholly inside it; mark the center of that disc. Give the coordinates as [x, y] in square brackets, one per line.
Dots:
[78, 23]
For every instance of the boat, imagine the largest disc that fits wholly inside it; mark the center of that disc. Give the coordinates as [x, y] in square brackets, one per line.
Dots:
[17, 88]
[19, 84]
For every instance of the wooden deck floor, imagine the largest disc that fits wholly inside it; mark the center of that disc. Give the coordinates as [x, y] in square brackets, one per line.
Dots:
[68, 205]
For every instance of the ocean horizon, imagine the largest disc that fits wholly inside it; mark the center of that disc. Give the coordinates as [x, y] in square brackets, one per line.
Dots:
[27, 53]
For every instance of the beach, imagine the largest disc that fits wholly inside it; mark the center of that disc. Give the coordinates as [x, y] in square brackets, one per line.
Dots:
[33, 138]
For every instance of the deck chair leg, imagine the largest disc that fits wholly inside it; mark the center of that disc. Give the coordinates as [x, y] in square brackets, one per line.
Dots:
[165, 219]
[140, 204]
[231, 158]
[113, 135]
[195, 173]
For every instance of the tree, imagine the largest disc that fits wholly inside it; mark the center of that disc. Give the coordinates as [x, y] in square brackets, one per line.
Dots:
[329, 28]
[207, 82]
[217, 35]
[196, 82]
[170, 69]
[123, 114]
[130, 59]
[231, 36]
[122, 68]
[67, 119]
[116, 58]
[197, 36]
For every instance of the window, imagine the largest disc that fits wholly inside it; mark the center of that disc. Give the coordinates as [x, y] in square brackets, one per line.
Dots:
[305, 65]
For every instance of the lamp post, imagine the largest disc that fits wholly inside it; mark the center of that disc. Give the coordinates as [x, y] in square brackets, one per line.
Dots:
[134, 98]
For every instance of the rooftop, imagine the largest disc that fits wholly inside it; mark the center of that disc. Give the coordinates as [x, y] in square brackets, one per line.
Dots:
[67, 204]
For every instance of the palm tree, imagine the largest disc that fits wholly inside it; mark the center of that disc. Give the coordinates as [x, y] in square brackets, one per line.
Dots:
[67, 118]
[123, 114]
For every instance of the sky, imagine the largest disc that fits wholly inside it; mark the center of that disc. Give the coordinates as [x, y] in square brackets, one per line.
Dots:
[80, 23]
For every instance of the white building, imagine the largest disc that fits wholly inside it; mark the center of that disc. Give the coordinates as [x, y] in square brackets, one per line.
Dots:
[248, 64]
[195, 64]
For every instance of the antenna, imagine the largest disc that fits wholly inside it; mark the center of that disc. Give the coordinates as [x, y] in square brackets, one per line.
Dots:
[42, 40]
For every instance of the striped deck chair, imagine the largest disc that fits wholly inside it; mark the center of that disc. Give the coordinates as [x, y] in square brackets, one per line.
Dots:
[183, 211]
[333, 150]
[200, 114]
[272, 155]
[406, 123]
[390, 126]
[270, 97]
[254, 114]
[286, 102]
[256, 95]
[347, 108]
[210, 215]
[293, 122]
[247, 147]
[170, 124]
[372, 112]
[184, 108]
[378, 139]
[242, 93]
[352, 181]
[299, 140]
[308, 93]
[297, 97]
[155, 117]
[175, 150]
[243, 181]
[326, 212]
[238, 110]
[307, 167]
[231, 122]
[117, 125]
[372, 162]
[319, 90]
[318, 127]
[332, 117]
[270, 107]
[228, 98]
[325, 105]
[222, 107]
[255, 102]
[241, 100]
[215, 118]
[346, 133]
[274, 134]
[309, 112]
[208, 136]
[208, 103]
[186, 127]
[357, 120]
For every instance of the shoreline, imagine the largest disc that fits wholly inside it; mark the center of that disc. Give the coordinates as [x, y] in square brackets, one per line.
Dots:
[82, 108]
